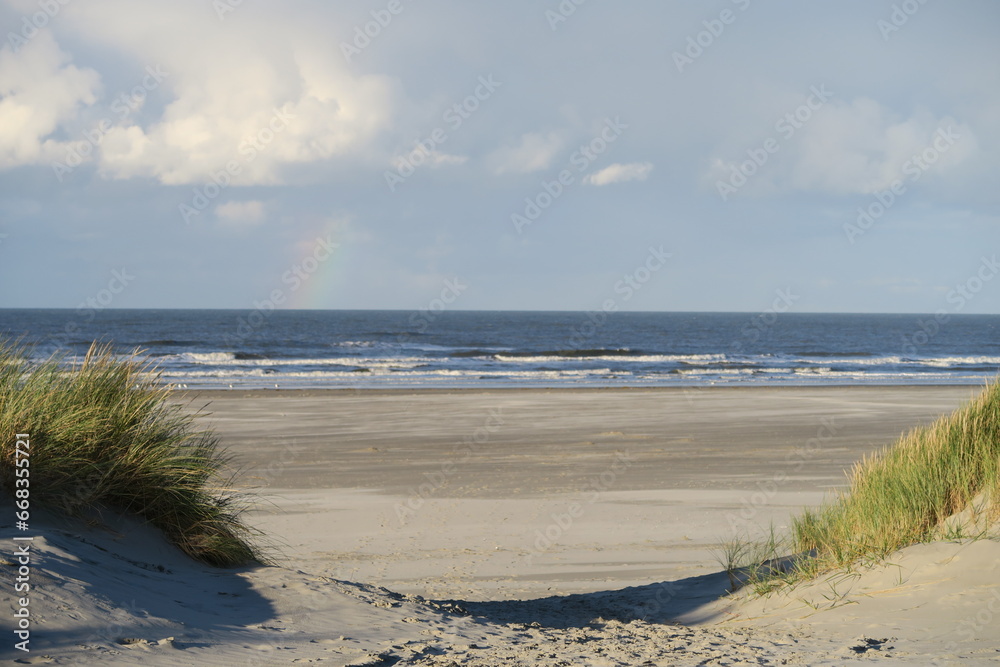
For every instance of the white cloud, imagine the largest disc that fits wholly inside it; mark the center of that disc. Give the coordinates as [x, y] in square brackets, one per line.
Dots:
[620, 173]
[39, 90]
[263, 89]
[862, 147]
[534, 151]
[437, 158]
[241, 212]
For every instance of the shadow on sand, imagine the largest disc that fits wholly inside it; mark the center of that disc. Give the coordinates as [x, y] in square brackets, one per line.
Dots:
[128, 582]
[690, 601]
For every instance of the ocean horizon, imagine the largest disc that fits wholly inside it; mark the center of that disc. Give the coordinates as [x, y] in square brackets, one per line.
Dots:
[459, 349]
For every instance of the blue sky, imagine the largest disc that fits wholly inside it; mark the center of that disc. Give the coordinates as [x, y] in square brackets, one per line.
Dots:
[369, 154]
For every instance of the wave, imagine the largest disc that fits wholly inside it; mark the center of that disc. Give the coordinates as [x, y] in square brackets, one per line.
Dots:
[638, 358]
[831, 353]
[716, 371]
[870, 361]
[360, 377]
[575, 353]
[358, 365]
[476, 353]
[973, 367]
[607, 354]
[356, 343]
[393, 334]
[347, 372]
[208, 357]
[237, 360]
[377, 346]
[961, 361]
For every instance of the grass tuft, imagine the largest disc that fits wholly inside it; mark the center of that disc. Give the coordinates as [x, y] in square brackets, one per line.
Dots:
[902, 495]
[103, 435]
[758, 564]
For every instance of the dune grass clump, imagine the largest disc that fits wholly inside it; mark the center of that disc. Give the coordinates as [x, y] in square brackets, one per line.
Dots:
[901, 495]
[103, 435]
[897, 497]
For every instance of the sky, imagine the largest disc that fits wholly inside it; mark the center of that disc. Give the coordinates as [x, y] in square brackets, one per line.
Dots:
[733, 155]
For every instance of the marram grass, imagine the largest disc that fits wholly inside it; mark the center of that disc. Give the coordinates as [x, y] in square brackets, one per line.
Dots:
[897, 497]
[901, 495]
[103, 435]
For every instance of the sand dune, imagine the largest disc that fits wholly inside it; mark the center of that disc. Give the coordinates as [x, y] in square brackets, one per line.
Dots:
[517, 556]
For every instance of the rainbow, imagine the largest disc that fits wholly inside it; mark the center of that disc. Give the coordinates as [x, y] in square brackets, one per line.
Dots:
[318, 291]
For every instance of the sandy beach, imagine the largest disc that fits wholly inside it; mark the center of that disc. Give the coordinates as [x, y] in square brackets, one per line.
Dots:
[489, 334]
[520, 527]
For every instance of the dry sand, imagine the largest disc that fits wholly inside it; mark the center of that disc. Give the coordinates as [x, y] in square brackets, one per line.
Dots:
[563, 527]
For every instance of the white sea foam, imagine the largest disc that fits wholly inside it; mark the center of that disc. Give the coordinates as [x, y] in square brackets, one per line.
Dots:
[962, 361]
[224, 369]
[205, 357]
[620, 358]
[229, 359]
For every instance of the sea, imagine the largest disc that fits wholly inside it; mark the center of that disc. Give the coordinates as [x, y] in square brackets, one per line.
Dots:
[368, 349]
